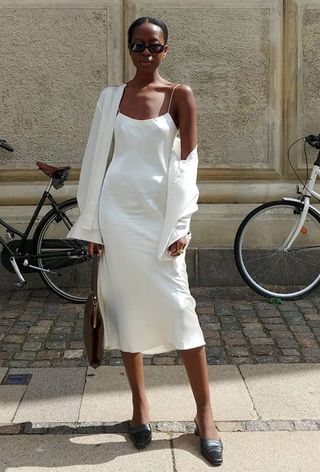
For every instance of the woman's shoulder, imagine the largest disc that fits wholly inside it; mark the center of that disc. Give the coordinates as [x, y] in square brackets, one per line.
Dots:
[183, 94]
[183, 88]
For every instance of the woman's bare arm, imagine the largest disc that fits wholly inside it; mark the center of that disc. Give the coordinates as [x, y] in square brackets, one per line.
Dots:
[187, 117]
[186, 109]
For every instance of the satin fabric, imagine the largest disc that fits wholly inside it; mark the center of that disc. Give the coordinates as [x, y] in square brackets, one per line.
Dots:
[182, 191]
[145, 302]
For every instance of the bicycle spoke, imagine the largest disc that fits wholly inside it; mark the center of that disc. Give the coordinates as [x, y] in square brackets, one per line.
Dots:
[262, 263]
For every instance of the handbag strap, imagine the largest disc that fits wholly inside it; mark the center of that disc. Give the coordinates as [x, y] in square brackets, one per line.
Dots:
[94, 273]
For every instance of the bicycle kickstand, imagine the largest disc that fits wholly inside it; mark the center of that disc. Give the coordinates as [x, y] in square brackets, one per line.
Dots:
[21, 280]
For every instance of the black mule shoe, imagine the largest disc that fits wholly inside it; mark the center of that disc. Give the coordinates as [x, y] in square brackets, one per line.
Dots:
[140, 435]
[211, 449]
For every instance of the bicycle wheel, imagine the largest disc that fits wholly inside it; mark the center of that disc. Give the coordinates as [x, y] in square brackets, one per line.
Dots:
[265, 265]
[67, 262]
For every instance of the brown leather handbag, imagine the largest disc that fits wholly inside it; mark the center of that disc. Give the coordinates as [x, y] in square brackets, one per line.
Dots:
[93, 328]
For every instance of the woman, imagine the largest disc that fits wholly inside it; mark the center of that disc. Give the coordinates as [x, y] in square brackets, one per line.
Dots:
[144, 293]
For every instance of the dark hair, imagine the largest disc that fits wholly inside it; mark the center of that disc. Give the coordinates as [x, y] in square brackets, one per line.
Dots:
[148, 19]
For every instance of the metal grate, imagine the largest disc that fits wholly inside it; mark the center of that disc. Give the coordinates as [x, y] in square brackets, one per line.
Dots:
[16, 379]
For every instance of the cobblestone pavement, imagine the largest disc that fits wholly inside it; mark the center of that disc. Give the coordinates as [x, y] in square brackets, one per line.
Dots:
[37, 329]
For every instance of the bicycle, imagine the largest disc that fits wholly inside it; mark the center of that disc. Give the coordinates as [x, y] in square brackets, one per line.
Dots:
[63, 264]
[276, 247]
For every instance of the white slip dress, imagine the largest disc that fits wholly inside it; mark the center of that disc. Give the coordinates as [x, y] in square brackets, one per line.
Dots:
[145, 303]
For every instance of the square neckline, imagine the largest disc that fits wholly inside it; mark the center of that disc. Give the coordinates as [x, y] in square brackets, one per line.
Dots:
[147, 119]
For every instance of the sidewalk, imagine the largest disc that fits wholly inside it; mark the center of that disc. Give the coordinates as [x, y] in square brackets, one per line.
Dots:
[264, 372]
[268, 416]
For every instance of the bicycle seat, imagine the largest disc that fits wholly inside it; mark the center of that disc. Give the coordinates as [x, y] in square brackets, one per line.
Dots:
[50, 170]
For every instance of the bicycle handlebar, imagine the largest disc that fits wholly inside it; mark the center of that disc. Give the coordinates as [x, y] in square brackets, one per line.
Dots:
[5, 145]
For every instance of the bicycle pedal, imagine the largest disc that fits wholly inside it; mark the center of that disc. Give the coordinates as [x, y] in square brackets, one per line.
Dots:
[20, 283]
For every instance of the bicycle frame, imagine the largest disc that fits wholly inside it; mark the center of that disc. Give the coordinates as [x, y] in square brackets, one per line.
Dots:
[11, 231]
[24, 236]
[306, 193]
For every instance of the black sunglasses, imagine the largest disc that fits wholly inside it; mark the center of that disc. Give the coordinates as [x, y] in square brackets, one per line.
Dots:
[153, 47]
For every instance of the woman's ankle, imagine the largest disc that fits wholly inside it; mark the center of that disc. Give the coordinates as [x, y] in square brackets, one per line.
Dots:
[139, 397]
[204, 410]
[141, 414]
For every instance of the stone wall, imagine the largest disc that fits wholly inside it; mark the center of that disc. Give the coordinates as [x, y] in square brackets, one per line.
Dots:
[253, 66]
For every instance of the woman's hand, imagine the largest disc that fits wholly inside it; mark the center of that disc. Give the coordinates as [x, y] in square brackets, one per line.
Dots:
[179, 245]
[99, 248]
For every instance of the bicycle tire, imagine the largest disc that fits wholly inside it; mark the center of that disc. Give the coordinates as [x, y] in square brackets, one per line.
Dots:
[74, 268]
[264, 265]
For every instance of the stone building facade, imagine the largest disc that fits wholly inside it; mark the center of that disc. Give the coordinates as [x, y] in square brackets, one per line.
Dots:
[253, 66]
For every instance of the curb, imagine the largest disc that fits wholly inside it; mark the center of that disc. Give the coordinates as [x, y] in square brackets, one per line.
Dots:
[167, 427]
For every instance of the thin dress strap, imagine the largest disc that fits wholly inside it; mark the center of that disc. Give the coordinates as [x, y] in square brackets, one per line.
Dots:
[171, 96]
